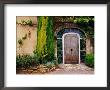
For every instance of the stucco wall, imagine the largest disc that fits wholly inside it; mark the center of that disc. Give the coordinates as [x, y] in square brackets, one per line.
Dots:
[29, 43]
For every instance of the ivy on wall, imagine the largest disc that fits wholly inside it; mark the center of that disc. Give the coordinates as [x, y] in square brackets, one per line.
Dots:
[86, 23]
[45, 38]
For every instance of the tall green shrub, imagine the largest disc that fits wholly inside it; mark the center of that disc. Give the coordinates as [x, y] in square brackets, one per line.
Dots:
[50, 38]
[89, 60]
[41, 36]
[45, 38]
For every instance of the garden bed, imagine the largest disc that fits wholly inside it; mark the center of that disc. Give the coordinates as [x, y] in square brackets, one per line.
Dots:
[40, 69]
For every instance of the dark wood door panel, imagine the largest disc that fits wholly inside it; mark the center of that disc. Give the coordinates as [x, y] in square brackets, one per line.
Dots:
[71, 49]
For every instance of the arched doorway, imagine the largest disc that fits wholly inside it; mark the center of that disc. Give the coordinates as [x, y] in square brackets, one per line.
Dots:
[82, 43]
[71, 48]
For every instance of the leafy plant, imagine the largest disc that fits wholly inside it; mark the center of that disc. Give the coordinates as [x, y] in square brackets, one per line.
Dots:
[17, 22]
[45, 39]
[86, 23]
[29, 34]
[89, 60]
[35, 52]
[23, 22]
[25, 37]
[41, 39]
[29, 22]
[50, 64]
[26, 61]
[20, 42]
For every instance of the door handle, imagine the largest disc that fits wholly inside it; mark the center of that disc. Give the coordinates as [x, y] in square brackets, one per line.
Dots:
[71, 50]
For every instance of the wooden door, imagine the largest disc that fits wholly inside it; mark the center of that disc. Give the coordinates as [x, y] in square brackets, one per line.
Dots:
[71, 49]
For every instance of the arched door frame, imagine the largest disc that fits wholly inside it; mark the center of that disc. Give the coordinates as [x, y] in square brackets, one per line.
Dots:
[63, 44]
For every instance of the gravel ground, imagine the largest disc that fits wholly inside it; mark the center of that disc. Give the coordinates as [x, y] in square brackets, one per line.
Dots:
[62, 69]
[73, 69]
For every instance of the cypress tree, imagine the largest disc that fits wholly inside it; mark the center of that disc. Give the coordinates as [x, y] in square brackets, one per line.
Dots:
[45, 38]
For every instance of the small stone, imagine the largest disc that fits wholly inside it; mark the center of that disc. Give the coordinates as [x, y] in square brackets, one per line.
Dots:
[30, 70]
[34, 68]
[35, 72]
[24, 70]
[42, 66]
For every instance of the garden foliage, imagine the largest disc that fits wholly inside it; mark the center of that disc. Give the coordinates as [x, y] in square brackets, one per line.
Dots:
[86, 23]
[45, 39]
[26, 61]
[89, 60]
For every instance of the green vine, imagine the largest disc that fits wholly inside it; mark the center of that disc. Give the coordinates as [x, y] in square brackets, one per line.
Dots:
[20, 42]
[25, 37]
[27, 22]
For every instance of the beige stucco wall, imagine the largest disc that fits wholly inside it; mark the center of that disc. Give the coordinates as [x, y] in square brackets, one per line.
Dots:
[89, 46]
[29, 44]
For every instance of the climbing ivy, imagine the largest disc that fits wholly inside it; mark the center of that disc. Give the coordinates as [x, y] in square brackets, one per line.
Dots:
[86, 23]
[45, 38]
